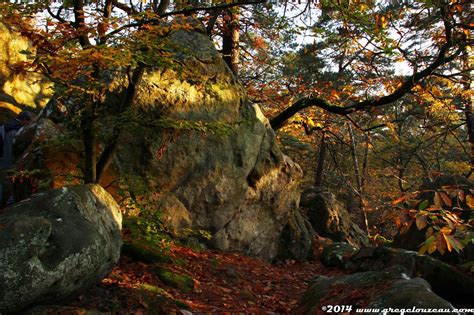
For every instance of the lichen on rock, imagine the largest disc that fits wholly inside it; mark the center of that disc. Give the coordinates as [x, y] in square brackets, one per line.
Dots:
[57, 244]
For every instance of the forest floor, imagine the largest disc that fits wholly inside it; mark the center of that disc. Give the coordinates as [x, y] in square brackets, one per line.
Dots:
[220, 282]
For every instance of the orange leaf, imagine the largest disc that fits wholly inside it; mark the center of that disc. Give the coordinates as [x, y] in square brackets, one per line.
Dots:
[421, 222]
[438, 202]
[398, 200]
[446, 230]
[448, 244]
[440, 243]
[446, 199]
[453, 217]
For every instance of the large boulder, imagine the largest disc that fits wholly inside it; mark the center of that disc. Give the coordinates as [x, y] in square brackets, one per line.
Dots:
[330, 219]
[57, 244]
[202, 155]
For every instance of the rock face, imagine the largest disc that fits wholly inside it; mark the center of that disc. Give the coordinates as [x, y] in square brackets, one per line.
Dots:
[390, 288]
[330, 219]
[57, 244]
[207, 155]
[18, 90]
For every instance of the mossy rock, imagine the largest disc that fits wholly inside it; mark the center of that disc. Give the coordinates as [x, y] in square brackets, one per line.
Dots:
[145, 252]
[179, 281]
[159, 296]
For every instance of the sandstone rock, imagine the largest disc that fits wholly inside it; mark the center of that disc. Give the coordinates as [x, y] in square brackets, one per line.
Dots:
[18, 90]
[378, 289]
[57, 244]
[330, 219]
[207, 155]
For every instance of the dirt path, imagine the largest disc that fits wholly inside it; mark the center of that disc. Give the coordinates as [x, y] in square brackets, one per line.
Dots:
[222, 282]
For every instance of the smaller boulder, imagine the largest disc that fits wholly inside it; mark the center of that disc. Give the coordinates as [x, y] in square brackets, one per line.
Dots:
[409, 293]
[330, 219]
[445, 280]
[57, 244]
[371, 289]
[296, 238]
[335, 254]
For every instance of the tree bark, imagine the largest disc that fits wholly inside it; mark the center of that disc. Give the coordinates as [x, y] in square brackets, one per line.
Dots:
[358, 177]
[80, 23]
[231, 39]
[90, 142]
[107, 154]
[318, 177]
[468, 108]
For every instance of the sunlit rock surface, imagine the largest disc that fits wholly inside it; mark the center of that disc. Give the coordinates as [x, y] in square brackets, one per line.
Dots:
[202, 155]
[17, 90]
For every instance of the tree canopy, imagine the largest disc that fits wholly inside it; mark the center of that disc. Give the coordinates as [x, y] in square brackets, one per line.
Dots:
[381, 89]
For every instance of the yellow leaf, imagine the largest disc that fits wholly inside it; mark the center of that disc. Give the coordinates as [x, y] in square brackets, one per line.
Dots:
[470, 201]
[383, 21]
[423, 249]
[432, 248]
[453, 217]
[446, 230]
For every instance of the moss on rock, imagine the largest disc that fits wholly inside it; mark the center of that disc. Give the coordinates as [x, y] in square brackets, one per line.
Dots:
[179, 281]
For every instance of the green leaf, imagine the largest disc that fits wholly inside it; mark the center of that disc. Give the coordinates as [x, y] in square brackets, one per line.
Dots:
[423, 205]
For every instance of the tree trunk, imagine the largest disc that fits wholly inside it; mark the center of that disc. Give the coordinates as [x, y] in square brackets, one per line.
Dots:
[89, 141]
[230, 40]
[318, 177]
[468, 108]
[107, 154]
[358, 177]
